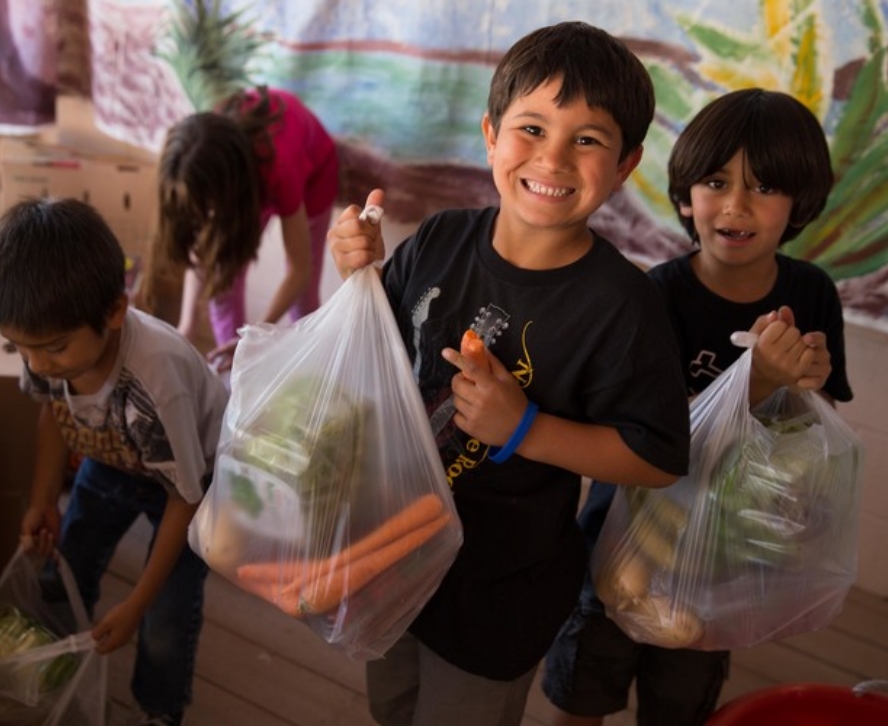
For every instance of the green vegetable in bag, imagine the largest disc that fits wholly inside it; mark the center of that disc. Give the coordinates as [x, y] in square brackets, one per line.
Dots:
[20, 633]
[759, 509]
[762, 496]
[310, 435]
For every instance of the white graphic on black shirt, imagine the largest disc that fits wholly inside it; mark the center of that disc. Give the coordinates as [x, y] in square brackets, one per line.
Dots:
[489, 325]
[419, 315]
[703, 367]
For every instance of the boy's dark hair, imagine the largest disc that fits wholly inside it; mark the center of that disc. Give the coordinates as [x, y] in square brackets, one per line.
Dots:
[61, 267]
[591, 64]
[783, 141]
[210, 188]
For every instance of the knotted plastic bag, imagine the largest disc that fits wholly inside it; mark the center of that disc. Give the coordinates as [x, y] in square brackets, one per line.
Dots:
[329, 498]
[50, 673]
[757, 542]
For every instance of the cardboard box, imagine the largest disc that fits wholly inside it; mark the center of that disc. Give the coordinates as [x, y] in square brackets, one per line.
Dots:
[124, 191]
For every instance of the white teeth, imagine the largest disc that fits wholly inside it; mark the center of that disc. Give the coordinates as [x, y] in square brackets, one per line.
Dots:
[735, 234]
[547, 191]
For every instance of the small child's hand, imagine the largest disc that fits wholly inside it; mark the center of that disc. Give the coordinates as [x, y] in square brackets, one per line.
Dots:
[354, 242]
[117, 627]
[816, 360]
[40, 528]
[782, 356]
[222, 357]
[489, 402]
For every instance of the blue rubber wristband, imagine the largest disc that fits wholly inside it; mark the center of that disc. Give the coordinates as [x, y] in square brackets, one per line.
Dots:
[499, 454]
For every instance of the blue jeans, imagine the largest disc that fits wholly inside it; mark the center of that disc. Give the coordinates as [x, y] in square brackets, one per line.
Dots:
[104, 504]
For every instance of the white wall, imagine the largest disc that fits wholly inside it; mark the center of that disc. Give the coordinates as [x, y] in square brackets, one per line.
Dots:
[867, 352]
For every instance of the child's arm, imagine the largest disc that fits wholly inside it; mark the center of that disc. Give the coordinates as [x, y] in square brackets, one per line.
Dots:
[41, 523]
[121, 622]
[192, 289]
[783, 356]
[297, 276]
[490, 405]
[354, 242]
[297, 249]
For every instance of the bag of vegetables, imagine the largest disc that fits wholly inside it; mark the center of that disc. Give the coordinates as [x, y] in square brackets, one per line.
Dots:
[329, 499]
[757, 542]
[50, 673]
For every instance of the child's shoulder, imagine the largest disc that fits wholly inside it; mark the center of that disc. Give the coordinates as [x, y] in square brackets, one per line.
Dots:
[460, 217]
[673, 267]
[456, 225]
[151, 339]
[163, 359]
[803, 268]
[608, 260]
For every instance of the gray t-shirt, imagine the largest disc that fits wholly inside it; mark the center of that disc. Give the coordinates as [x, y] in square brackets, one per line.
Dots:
[158, 415]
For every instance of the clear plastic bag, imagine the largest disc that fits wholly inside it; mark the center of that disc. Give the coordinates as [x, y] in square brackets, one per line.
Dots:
[757, 542]
[329, 498]
[50, 673]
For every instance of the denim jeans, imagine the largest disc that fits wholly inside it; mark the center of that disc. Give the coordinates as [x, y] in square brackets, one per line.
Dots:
[104, 503]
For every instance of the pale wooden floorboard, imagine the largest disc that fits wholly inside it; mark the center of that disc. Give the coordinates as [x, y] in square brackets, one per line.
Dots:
[258, 667]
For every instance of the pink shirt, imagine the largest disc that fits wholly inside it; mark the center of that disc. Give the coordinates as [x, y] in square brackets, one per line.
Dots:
[305, 166]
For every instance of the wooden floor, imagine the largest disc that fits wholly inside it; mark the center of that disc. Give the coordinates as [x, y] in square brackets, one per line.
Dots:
[257, 667]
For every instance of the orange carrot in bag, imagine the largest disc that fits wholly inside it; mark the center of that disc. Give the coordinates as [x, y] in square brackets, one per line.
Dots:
[345, 580]
[324, 585]
[277, 592]
[419, 512]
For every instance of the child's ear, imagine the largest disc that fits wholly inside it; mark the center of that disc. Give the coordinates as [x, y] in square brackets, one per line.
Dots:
[489, 137]
[685, 210]
[118, 313]
[627, 166]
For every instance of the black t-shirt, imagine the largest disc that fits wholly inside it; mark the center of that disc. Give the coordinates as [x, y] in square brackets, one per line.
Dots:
[703, 321]
[589, 341]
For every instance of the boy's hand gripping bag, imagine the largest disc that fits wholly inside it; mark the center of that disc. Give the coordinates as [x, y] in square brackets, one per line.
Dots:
[757, 542]
[50, 673]
[329, 498]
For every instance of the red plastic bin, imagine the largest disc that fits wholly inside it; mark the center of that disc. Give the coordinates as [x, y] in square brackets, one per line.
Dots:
[804, 704]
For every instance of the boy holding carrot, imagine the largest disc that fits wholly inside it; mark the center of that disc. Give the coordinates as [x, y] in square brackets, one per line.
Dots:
[140, 404]
[579, 375]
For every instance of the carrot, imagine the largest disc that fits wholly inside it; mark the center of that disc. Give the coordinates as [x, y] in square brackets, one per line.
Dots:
[472, 348]
[276, 593]
[419, 512]
[275, 571]
[326, 592]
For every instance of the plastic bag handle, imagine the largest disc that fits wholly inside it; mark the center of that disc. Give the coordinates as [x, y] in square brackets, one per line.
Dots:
[744, 339]
[372, 213]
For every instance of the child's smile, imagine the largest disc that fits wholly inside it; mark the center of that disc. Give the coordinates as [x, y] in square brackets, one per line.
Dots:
[547, 191]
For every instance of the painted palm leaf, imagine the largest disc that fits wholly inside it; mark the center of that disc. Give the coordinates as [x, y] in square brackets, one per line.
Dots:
[211, 52]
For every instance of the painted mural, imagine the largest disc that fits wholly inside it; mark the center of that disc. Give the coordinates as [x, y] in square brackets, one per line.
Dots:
[402, 85]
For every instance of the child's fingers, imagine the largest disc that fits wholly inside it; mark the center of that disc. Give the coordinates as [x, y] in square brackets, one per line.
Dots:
[816, 339]
[474, 353]
[376, 198]
[469, 368]
[778, 333]
[810, 383]
[786, 315]
[762, 322]
[355, 242]
[43, 543]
